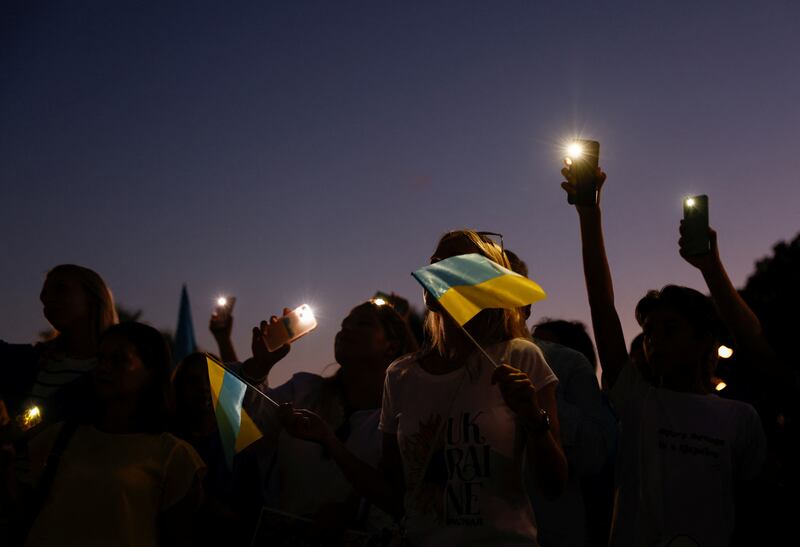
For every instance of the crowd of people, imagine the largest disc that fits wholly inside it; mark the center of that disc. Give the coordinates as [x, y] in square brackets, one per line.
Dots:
[417, 438]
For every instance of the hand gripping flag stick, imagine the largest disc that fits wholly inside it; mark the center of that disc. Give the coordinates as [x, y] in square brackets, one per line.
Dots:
[466, 284]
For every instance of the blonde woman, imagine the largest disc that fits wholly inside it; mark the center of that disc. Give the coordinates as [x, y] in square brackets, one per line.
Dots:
[458, 432]
[52, 374]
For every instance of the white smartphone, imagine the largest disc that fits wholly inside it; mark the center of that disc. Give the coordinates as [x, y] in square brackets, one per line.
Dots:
[290, 327]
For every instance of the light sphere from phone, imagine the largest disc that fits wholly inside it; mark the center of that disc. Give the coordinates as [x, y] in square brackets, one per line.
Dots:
[690, 202]
[725, 352]
[222, 301]
[575, 150]
[306, 315]
[379, 301]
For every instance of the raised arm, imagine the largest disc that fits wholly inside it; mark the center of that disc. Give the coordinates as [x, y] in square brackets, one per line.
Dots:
[609, 338]
[737, 316]
[221, 327]
[258, 367]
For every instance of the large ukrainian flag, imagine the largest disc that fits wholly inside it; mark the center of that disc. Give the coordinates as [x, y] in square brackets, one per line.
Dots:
[467, 284]
[236, 429]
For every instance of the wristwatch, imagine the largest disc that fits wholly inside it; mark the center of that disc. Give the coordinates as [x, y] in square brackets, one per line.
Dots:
[542, 425]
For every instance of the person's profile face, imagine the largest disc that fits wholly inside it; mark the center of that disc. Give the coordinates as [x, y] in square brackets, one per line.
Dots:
[361, 338]
[65, 301]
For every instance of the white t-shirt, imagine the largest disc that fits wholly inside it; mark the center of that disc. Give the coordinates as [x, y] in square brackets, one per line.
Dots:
[472, 489]
[110, 488]
[680, 457]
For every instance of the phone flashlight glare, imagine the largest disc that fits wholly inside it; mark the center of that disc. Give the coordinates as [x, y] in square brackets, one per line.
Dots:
[306, 315]
[222, 301]
[574, 150]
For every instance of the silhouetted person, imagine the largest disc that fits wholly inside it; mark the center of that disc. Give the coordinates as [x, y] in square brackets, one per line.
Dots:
[52, 374]
[684, 451]
[116, 477]
[301, 478]
[456, 446]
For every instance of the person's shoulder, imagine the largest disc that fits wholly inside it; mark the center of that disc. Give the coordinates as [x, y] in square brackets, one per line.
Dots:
[733, 407]
[523, 349]
[403, 365]
[563, 359]
[300, 379]
[175, 447]
[520, 346]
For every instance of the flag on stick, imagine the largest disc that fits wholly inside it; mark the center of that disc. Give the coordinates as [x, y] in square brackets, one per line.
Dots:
[236, 429]
[185, 343]
[466, 284]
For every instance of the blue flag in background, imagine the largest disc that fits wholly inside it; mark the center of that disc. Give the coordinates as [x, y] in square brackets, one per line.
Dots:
[185, 343]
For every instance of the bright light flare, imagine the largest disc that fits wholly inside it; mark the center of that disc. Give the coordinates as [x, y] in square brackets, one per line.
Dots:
[690, 202]
[379, 301]
[222, 301]
[721, 385]
[725, 352]
[306, 314]
[30, 418]
[574, 151]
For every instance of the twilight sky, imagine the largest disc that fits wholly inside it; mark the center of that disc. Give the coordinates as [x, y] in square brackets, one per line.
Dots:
[290, 152]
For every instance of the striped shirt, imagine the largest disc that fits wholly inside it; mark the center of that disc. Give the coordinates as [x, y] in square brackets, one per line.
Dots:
[57, 373]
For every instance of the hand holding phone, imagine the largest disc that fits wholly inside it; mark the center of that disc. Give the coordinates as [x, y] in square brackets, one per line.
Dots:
[290, 327]
[695, 240]
[583, 159]
[225, 307]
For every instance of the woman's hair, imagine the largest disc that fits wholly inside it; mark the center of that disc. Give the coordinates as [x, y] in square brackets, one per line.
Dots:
[571, 334]
[396, 329]
[490, 325]
[102, 309]
[154, 410]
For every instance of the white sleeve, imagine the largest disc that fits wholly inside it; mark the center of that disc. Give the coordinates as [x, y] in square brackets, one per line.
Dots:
[527, 357]
[182, 468]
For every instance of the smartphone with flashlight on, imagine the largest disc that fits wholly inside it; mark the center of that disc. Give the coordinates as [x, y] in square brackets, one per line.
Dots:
[583, 157]
[400, 305]
[299, 322]
[225, 306]
[695, 225]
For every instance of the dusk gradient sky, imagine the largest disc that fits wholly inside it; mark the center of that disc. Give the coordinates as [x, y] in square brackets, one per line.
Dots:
[290, 152]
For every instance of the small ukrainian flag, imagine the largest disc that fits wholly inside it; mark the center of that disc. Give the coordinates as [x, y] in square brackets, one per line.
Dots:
[236, 429]
[467, 284]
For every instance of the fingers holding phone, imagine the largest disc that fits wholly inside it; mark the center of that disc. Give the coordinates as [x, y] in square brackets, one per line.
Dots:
[698, 241]
[584, 178]
[221, 322]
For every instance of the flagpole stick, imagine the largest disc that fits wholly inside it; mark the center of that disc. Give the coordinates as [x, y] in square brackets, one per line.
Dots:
[480, 348]
[477, 345]
[247, 383]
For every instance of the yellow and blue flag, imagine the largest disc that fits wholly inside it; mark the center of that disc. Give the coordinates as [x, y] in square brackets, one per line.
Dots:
[467, 284]
[236, 429]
